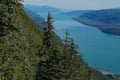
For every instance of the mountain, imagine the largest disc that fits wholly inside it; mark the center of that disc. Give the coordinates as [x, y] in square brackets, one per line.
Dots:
[20, 41]
[98, 74]
[35, 17]
[77, 12]
[29, 53]
[105, 16]
[43, 9]
[107, 20]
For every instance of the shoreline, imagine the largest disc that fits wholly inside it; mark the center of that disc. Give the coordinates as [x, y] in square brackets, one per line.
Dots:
[101, 27]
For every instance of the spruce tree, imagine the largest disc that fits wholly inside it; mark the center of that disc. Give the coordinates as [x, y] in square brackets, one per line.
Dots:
[72, 63]
[48, 32]
[48, 67]
[15, 63]
[68, 57]
[8, 19]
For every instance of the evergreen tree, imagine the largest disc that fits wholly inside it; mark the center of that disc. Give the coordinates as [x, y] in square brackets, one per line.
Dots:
[72, 62]
[49, 68]
[9, 15]
[19, 50]
[48, 32]
[66, 56]
[70, 58]
[14, 60]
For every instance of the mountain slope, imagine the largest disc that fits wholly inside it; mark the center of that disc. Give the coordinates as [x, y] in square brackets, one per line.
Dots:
[35, 17]
[107, 20]
[25, 52]
[43, 9]
[19, 46]
[77, 12]
[105, 16]
[98, 75]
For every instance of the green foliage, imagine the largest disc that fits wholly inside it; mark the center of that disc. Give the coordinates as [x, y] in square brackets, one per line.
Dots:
[20, 41]
[29, 53]
[107, 20]
[74, 66]
[49, 65]
[9, 11]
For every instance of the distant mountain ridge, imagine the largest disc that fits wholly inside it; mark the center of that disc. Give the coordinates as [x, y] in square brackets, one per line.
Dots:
[105, 16]
[43, 9]
[35, 17]
[107, 20]
[77, 12]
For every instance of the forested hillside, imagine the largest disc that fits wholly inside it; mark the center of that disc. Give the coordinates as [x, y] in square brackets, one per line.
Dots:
[29, 53]
[20, 42]
[107, 20]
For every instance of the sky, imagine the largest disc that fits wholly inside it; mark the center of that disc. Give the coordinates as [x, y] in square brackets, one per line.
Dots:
[76, 4]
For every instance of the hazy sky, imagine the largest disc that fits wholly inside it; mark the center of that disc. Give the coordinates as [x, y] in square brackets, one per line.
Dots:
[77, 4]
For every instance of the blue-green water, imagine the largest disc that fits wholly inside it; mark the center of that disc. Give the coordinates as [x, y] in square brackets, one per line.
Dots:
[100, 50]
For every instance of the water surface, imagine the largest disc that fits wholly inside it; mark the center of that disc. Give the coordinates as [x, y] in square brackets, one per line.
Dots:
[100, 50]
